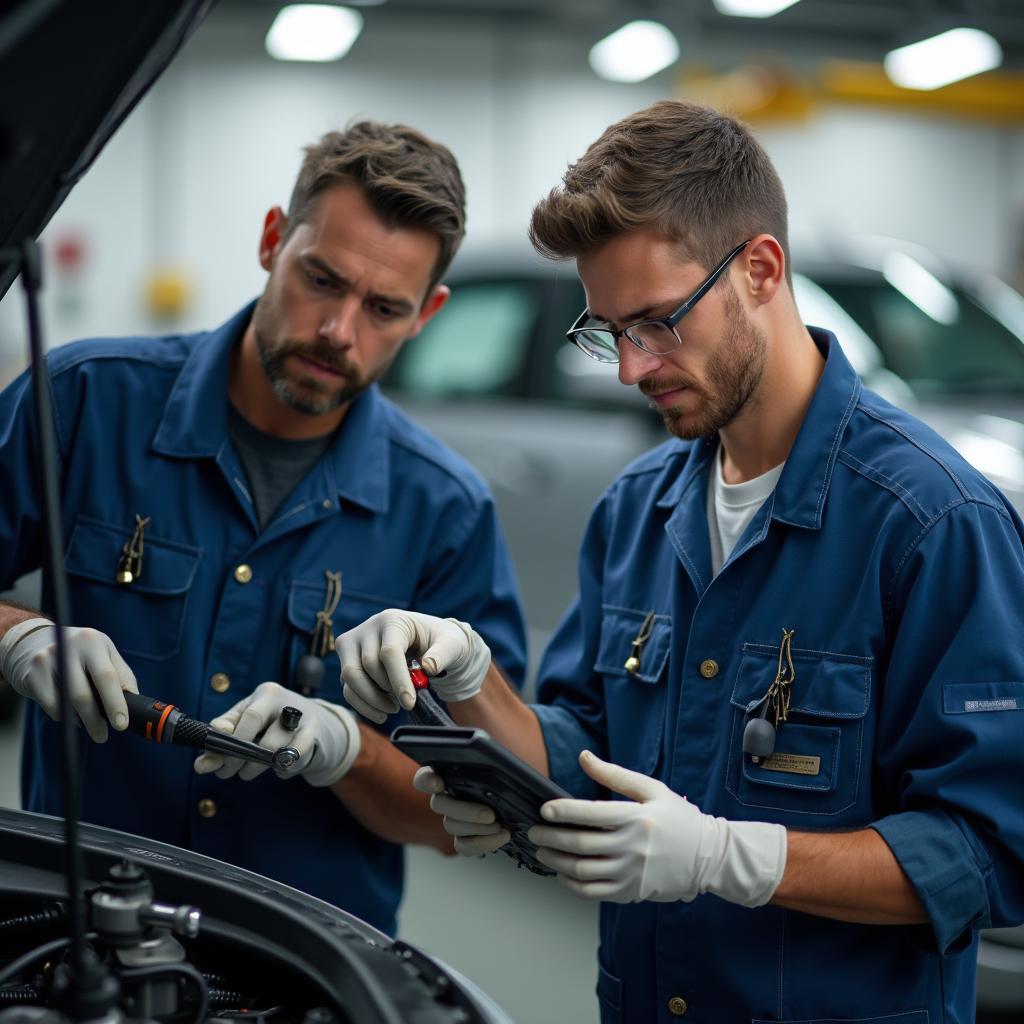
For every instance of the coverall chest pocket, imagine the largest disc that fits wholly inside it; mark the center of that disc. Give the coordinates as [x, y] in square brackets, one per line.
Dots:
[143, 618]
[818, 764]
[634, 700]
[306, 597]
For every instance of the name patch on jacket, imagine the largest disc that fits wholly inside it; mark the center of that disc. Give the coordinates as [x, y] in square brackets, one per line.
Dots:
[972, 698]
[1007, 704]
[794, 764]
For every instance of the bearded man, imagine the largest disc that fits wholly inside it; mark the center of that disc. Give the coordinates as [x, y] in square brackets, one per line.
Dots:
[786, 700]
[232, 498]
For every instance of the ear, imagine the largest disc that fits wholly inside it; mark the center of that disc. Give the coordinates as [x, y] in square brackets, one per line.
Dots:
[433, 302]
[274, 226]
[765, 268]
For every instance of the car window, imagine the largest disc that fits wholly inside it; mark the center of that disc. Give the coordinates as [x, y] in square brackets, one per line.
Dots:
[819, 309]
[949, 346]
[477, 343]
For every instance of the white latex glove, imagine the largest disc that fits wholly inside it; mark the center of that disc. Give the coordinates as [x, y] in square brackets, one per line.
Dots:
[327, 738]
[659, 847]
[375, 672]
[474, 825]
[28, 661]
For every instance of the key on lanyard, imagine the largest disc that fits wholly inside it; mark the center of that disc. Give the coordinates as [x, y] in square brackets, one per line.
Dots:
[759, 733]
[779, 692]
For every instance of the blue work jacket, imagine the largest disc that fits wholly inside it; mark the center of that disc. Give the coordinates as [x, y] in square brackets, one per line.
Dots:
[220, 605]
[901, 570]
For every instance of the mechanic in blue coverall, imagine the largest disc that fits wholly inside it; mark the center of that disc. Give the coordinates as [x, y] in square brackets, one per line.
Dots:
[231, 499]
[802, 538]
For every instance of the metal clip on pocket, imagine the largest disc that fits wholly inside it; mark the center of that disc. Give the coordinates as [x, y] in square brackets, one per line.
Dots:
[759, 733]
[129, 565]
[308, 673]
[632, 665]
[323, 632]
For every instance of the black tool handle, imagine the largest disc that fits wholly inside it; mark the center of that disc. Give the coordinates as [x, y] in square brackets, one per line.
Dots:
[161, 722]
[158, 721]
[427, 710]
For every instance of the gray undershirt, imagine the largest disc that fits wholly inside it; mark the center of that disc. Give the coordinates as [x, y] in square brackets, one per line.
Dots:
[273, 466]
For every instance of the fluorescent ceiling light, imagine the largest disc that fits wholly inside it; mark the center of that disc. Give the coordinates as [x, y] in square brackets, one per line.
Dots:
[634, 52]
[947, 57]
[752, 8]
[921, 287]
[998, 460]
[319, 32]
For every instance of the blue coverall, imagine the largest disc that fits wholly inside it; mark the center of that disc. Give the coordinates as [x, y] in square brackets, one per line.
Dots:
[901, 570]
[142, 430]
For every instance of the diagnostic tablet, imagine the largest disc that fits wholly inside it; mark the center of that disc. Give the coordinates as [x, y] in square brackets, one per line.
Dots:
[477, 768]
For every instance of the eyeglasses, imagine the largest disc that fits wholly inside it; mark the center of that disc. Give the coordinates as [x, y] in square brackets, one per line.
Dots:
[658, 337]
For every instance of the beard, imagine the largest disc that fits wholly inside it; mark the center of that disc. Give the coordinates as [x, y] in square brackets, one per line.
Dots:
[303, 393]
[732, 375]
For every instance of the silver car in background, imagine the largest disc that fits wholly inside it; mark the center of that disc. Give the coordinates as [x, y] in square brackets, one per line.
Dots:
[549, 428]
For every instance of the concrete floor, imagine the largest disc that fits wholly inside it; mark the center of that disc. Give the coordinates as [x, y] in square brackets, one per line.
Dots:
[523, 939]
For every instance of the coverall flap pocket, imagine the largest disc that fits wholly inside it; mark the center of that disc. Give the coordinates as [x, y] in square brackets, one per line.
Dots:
[307, 597]
[634, 701]
[620, 629]
[95, 548]
[817, 765]
[827, 685]
[143, 618]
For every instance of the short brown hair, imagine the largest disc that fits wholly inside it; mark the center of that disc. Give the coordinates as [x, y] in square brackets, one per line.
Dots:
[410, 181]
[698, 177]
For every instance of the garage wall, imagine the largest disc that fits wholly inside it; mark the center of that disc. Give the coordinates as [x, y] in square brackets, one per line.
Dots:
[187, 180]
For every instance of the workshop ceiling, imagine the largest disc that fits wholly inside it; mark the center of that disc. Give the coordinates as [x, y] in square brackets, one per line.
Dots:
[860, 29]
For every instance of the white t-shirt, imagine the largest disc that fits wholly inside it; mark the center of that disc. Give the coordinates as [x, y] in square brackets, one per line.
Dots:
[732, 506]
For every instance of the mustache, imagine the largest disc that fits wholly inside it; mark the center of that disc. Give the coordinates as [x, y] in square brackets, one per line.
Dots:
[319, 352]
[656, 385]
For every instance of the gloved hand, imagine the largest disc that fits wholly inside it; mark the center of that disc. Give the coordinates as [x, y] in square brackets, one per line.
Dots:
[28, 661]
[474, 825]
[373, 660]
[659, 847]
[327, 738]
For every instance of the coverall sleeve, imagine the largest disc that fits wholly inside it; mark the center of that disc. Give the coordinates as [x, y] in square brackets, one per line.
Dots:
[570, 697]
[20, 500]
[472, 579]
[951, 739]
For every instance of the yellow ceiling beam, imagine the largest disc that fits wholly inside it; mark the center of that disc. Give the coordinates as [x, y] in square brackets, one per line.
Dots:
[762, 93]
[993, 96]
[754, 92]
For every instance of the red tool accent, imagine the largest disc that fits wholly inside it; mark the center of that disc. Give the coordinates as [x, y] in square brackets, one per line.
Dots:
[417, 675]
[163, 721]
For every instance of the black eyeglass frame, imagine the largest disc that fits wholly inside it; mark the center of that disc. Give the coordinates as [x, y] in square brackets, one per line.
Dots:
[669, 321]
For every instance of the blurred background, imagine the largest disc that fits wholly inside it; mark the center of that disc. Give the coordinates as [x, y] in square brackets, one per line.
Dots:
[906, 195]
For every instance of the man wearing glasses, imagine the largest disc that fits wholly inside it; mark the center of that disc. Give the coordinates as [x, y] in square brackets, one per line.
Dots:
[785, 699]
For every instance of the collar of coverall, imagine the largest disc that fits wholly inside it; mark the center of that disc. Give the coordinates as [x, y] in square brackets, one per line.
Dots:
[194, 422]
[801, 491]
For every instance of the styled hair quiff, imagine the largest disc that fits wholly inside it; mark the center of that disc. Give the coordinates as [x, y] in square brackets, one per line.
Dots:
[409, 181]
[696, 177]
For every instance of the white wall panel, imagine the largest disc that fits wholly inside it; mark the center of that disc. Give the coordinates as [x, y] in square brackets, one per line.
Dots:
[187, 180]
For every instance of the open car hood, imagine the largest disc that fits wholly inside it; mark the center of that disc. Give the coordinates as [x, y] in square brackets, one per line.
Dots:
[70, 72]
